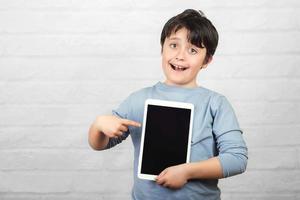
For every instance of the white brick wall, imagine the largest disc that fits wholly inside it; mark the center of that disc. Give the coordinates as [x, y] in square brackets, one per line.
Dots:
[64, 62]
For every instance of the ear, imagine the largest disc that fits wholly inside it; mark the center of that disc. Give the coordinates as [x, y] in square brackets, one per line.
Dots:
[210, 58]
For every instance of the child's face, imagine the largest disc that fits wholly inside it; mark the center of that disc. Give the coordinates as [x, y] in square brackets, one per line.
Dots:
[181, 60]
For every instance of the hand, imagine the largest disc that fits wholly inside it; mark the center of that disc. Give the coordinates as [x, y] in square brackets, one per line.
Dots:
[173, 177]
[114, 126]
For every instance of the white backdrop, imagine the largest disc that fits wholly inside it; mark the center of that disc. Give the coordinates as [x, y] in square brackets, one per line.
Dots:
[63, 62]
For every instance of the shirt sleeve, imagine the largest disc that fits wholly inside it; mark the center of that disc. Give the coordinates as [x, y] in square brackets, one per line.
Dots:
[123, 112]
[233, 152]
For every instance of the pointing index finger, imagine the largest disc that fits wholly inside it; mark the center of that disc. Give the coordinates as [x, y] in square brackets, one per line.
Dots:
[130, 123]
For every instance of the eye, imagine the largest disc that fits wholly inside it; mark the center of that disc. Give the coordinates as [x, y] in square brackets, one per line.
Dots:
[193, 51]
[173, 45]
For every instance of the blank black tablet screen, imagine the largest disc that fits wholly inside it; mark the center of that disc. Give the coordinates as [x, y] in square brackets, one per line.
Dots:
[166, 138]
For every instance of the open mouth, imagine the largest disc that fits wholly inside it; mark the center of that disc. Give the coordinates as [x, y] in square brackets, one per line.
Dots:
[178, 68]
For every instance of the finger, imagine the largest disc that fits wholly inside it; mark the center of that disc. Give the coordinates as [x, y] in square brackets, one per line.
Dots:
[117, 134]
[123, 128]
[162, 174]
[166, 185]
[161, 181]
[128, 122]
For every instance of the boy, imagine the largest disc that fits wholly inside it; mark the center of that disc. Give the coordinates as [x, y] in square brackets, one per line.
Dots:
[218, 150]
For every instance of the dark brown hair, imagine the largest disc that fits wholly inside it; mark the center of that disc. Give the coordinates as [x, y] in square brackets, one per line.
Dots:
[201, 32]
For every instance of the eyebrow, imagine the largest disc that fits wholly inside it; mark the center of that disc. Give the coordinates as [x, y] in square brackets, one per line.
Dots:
[174, 38]
[177, 38]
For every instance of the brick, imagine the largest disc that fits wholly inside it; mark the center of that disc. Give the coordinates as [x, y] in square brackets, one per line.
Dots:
[263, 181]
[35, 182]
[252, 67]
[70, 5]
[121, 160]
[258, 196]
[267, 113]
[110, 182]
[215, 5]
[90, 92]
[61, 60]
[47, 137]
[67, 159]
[66, 181]
[43, 137]
[298, 157]
[78, 5]
[52, 115]
[79, 69]
[277, 136]
[256, 113]
[62, 196]
[22, 196]
[104, 45]
[258, 43]
[79, 45]
[272, 158]
[255, 19]
[95, 68]
[253, 90]
[124, 21]
[116, 21]
[92, 196]
[72, 92]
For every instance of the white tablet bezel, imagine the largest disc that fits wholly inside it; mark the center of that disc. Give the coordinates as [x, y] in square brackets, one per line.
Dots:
[167, 104]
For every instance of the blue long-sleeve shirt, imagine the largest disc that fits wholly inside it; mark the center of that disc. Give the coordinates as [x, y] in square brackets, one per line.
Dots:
[216, 132]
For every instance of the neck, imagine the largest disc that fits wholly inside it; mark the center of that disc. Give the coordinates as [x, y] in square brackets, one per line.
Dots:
[188, 85]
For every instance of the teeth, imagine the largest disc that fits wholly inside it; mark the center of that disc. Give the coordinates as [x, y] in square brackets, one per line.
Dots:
[176, 67]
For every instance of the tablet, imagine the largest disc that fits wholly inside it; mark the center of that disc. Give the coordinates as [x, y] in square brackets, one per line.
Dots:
[166, 136]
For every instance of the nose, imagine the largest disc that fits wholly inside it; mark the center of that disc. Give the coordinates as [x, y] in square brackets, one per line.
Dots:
[180, 54]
